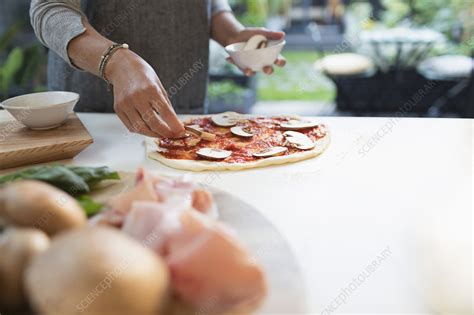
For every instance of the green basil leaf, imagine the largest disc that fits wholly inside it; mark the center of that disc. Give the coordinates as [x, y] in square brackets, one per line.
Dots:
[94, 175]
[90, 206]
[56, 175]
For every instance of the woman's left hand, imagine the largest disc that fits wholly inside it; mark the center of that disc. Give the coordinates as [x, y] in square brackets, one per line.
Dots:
[245, 35]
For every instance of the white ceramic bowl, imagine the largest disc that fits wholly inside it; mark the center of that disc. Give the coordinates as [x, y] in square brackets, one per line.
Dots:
[255, 59]
[41, 111]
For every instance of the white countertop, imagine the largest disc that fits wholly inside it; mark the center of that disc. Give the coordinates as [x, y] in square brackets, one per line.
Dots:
[380, 183]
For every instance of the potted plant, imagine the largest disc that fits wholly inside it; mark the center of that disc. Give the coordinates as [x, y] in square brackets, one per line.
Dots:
[21, 57]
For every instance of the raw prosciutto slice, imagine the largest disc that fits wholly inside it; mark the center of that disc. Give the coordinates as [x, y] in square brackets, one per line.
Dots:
[151, 223]
[150, 186]
[144, 190]
[209, 267]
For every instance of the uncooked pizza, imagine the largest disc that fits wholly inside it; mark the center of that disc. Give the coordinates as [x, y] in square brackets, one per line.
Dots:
[231, 141]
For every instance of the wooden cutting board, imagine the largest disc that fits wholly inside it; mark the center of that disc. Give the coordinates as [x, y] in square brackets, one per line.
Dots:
[20, 145]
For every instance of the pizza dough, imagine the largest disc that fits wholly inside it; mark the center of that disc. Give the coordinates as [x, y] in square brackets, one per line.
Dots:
[153, 152]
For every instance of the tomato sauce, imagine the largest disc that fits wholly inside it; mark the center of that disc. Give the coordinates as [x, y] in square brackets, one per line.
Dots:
[267, 133]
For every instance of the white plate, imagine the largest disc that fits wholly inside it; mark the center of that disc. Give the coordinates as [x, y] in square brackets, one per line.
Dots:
[285, 282]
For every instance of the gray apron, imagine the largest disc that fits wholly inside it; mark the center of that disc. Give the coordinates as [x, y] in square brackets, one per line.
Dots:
[171, 35]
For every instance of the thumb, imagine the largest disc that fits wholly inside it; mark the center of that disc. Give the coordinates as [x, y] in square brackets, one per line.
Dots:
[271, 35]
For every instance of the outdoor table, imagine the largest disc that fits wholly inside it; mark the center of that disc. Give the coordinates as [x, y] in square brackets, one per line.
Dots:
[408, 46]
[393, 81]
[457, 69]
[380, 182]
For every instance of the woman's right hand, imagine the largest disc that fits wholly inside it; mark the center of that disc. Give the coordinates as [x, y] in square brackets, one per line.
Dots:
[140, 100]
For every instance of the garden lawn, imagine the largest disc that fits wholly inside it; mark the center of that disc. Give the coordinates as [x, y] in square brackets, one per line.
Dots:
[296, 81]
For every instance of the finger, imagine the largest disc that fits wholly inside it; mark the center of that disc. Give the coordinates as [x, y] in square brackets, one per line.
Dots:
[123, 117]
[281, 61]
[156, 123]
[160, 123]
[137, 123]
[164, 91]
[271, 35]
[166, 111]
[149, 115]
[248, 72]
[268, 70]
[128, 124]
[148, 133]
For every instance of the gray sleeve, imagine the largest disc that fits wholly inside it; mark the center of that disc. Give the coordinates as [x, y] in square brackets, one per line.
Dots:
[56, 23]
[219, 6]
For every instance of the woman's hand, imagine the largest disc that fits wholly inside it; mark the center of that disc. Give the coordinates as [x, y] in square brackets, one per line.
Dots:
[140, 100]
[245, 35]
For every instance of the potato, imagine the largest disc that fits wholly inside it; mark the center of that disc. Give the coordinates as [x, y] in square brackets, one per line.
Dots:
[17, 247]
[36, 204]
[97, 270]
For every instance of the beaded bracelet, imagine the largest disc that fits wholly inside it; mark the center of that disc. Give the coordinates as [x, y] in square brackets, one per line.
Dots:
[106, 57]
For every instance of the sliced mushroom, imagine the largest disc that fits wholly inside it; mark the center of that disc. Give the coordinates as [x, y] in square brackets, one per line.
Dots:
[262, 44]
[269, 152]
[295, 124]
[256, 42]
[299, 140]
[189, 140]
[241, 132]
[225, 119]
[213, 154]
[197, 130]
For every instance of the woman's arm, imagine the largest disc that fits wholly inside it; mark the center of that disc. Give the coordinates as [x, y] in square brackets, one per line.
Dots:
[225, 27]
[56, 23]
[140, 99]
[138, 93]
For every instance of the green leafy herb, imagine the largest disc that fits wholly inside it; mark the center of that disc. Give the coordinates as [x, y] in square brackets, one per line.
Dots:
[56, 175]
[94, 175]
[90, 206]
[74, 180]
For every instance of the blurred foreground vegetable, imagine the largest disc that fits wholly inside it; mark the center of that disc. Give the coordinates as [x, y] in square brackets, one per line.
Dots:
[18, 247]
[90, 206]
[75, 180]
[31, 203]
[95, 271]
[72, 179]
